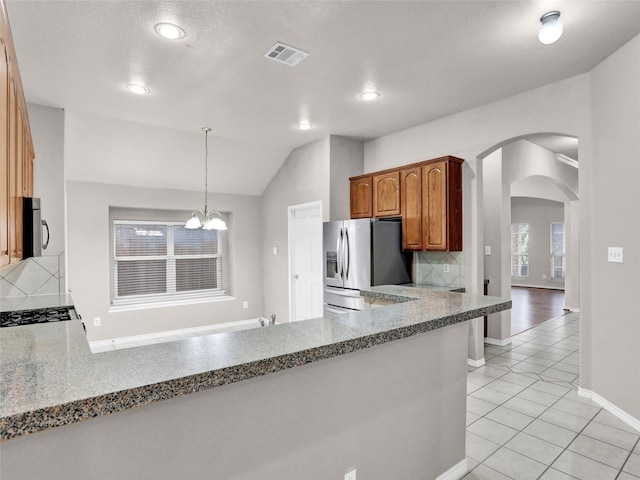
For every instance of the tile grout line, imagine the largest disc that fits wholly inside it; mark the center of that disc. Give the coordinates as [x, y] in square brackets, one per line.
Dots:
[506, 369]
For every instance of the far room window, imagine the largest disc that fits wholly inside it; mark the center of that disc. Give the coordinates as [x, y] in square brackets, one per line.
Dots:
[520, 250]
[157, 261]
[558, 258]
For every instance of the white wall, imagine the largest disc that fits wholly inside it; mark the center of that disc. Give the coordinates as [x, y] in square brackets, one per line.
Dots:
[47, 131]
[538, 214]
[89, 275]
[128, 153]
[304, 177]
[611, 356]
[132, 156]
[347, 160]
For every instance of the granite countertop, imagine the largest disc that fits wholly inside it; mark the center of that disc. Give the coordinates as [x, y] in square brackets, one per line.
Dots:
[32, 302]
[50, 377]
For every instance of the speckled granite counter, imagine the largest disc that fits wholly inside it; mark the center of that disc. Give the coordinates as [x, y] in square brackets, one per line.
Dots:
[51, 378]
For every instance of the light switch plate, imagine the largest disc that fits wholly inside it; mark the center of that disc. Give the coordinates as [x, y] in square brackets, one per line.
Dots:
[445, 267]
[615, 254]
[487, 249]
[350, 475]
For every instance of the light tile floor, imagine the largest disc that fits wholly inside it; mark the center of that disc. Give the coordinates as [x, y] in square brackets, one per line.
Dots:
[525, 419]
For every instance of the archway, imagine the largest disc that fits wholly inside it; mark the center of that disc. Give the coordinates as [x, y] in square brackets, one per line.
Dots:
[534, 171]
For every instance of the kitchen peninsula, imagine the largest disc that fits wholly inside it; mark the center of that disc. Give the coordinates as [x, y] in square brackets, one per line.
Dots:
[382, 390]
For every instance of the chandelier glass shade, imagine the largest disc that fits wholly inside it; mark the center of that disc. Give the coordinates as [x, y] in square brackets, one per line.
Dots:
[206, 219]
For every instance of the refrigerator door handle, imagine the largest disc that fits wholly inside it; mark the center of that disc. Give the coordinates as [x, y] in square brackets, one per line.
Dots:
[348, 254]
[339, 253]
[45, 244]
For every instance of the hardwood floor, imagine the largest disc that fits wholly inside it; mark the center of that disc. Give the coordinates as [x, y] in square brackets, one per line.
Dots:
[532, 306]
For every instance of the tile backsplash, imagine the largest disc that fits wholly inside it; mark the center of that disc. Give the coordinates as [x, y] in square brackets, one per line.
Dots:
[428, 268]
[33, 276]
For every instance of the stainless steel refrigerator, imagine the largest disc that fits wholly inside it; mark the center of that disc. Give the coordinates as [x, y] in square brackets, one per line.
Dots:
[32, 225]
[359, 254]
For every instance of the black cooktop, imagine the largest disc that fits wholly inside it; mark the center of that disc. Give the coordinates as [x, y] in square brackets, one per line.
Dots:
[39, 315]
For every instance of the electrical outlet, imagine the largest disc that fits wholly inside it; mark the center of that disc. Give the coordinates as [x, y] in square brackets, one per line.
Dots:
[615, 254]
[544, 276]
[350, 475]
[445, 268]
[96, 321]
[487, 249]
[245, 304]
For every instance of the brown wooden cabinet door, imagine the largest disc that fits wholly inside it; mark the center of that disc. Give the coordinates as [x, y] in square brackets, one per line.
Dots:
[361, 195]
[434, 204]
[386, 194]
[15, 221]
[4, 157]
[454, 206]
[411, 196]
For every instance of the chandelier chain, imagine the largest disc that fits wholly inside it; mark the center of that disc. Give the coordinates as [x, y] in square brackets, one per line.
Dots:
[206, 169]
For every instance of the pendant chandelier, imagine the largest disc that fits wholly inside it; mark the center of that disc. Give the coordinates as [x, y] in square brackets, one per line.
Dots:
[206, 219]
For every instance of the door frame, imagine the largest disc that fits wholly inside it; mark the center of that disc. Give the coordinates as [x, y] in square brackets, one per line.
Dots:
[291, 209]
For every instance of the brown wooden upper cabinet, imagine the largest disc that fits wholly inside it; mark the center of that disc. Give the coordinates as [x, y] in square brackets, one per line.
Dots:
[16, 154]
[386, 194]
[428, 196]
[361, 195]
[411, 195]
[442, 205]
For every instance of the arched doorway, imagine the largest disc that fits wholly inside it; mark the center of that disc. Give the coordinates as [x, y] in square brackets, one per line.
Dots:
[525, 166]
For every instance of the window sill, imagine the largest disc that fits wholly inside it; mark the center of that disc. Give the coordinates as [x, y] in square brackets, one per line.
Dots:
[169, 303]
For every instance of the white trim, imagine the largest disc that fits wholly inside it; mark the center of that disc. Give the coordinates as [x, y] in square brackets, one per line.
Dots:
[497, 341]
[456, 472]
[572, 309]
[170, 333]
[475, 363]
[610, 407]
[169, 303]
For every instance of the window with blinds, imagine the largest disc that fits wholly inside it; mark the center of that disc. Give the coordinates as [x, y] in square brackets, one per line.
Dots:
[558, 257]
[520, 250]
[157, 261]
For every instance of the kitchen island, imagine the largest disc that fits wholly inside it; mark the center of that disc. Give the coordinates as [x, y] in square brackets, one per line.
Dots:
[382, 390]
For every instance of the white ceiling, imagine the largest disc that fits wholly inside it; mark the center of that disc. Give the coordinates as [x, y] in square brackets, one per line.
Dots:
[427, 58]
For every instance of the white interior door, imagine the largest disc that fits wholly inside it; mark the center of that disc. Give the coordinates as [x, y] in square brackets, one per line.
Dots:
[305, 261]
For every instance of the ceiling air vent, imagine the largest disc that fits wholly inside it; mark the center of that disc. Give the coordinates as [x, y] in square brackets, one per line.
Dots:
[285, 54]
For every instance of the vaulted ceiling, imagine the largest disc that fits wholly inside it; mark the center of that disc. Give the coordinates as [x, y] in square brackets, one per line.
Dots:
[428, 59]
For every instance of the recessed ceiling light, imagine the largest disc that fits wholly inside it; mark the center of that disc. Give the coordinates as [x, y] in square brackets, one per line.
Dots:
[369, 95]
[550, 28]
[304, 125]
[138, 88]
[170, 31]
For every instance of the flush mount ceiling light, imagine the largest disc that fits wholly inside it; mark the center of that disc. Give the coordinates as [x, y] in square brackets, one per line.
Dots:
[369, 95]
[138, 88]
[550, 28]
[206, 219]
[304, 125]
[170, 31]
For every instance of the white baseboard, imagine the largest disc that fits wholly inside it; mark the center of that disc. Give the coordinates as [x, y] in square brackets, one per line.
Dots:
[169, 333]
[546, 287]
[572, 309]
[497, 341]
[611, 408]
[456, 472]
[475, 363]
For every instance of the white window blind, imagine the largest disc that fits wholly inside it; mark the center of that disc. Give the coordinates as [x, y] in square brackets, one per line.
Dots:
[558, 257]
[162, 261]
[520, 250]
